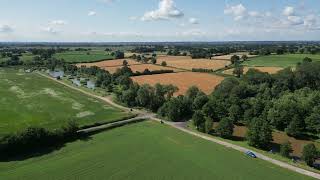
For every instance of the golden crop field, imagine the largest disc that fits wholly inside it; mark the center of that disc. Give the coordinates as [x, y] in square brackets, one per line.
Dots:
[186, 62]
[183, 80]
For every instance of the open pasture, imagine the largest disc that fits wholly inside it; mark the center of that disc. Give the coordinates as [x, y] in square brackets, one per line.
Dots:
[83, 56]
[270, 70]
[186, 62]
[183, 80]
[28, 99]
[157, 152]
[286, 60]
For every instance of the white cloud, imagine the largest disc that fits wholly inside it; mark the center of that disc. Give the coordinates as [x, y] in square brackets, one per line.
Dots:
[6, 28]
[50, 30]
[237, 11]
[166, 10]
[288, 11]
[193, 21]
[58, 22]
[194, 32]
[295, 20]
[92, 13]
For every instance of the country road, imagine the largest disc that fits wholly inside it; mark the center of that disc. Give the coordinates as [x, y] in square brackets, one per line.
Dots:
[181, 127]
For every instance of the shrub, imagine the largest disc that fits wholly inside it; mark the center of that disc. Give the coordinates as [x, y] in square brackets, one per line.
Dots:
[309, 154]
[286, 149]
[225, 128]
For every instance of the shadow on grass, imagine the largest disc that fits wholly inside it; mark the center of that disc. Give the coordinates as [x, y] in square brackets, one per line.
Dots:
[42, 151]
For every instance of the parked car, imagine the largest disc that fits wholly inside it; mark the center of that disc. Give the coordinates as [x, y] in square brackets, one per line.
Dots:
[251, 154]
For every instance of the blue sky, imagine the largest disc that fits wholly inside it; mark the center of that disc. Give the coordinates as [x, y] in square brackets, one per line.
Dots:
[158, 20]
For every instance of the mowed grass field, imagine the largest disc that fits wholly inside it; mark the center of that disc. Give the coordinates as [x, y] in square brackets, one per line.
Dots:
[146, 150]
[33, 100]
[287, 60]
[83, 56]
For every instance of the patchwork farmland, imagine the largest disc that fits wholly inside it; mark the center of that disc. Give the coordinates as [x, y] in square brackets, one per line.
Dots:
[270, 70]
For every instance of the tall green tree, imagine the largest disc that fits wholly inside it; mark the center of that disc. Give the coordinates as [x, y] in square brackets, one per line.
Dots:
[225, 128]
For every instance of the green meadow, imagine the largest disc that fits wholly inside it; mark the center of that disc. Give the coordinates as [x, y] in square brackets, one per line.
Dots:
[286, 60]
[146, 150]
[28, 99]
[84, 56]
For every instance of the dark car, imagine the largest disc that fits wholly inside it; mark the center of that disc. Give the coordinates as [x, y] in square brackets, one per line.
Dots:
[251, 154]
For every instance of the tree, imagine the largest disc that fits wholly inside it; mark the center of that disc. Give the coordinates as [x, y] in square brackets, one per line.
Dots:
[125, 63]
[313, 121]
[154, 60]
[309, 154]
[296, 127]
[307, 59]
[200, 101]
[235, 59]
[192, 92]
[235, 113]
[225, 128]
[164, 63]
[199, 121]
[208, 125]
[286, 149]
[119, 55]
[259, 133]
[238, 70]
[244, 57]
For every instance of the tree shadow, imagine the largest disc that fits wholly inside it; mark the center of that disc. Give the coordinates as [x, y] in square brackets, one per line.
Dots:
[237, 138]
[38, 152]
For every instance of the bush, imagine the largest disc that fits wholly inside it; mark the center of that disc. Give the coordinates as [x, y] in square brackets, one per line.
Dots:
[309, 154]
[225, 128]
[286, 149]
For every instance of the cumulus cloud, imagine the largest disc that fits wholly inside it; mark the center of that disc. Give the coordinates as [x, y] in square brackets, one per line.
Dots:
[289, 11]
[193, 21]
[58, 22]
[92, 13]
[165, 11]
[6, 28]
[237, 11]
[50, 30]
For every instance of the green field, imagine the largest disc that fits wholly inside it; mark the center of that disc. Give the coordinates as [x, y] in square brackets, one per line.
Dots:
[25, 57]
[32, 100]
[287, 60]
[82, 56]
[145, 150]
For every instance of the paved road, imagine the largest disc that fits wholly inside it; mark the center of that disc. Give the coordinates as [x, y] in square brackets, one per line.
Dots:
[182, 127]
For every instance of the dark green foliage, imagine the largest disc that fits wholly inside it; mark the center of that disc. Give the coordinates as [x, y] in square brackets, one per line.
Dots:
[225, 128]
[309, 154]
[286, 149]
[34, 138]
[164, 63]
[177, 109]
[259, 134]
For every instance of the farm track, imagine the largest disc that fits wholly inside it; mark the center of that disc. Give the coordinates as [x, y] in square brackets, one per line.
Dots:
[182, 127]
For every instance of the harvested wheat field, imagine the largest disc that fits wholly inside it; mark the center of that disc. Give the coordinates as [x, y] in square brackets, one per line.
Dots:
[141, 68]
[186, 62]
[109, 63]
[270, 70]
[183, 80]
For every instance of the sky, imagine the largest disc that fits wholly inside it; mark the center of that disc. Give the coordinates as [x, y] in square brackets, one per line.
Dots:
[158, 20]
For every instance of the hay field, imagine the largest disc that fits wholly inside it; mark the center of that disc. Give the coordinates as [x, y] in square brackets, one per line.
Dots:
[186, 62]
[228, 57]
[270, 70]
[183, 80]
